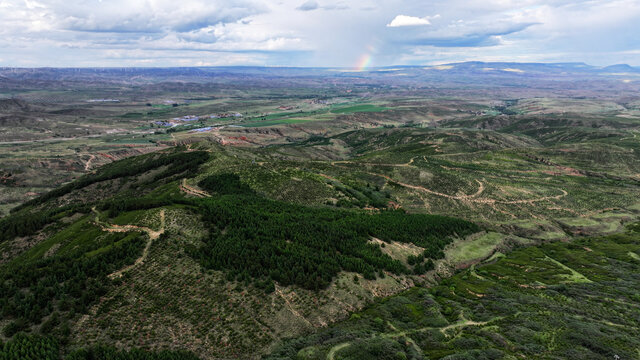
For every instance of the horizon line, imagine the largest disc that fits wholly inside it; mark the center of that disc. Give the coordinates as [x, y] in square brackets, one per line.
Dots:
[320, 67]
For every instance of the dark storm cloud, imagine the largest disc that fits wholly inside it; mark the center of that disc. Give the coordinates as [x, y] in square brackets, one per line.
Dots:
[470, 37]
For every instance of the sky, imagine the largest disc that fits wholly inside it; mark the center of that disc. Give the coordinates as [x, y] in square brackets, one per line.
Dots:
[322, 33]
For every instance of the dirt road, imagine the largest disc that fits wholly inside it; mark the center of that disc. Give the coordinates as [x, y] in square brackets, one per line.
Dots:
[152, 234]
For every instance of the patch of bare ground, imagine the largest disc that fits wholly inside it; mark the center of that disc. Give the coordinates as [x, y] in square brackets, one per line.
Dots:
[12, 248]
[397, 250]
[192, 191]
[152, 234]
[87, 165]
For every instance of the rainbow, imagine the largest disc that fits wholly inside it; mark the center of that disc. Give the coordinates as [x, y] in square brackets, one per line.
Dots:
[364, 62]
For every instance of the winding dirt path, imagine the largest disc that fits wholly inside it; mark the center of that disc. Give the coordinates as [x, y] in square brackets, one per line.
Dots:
[332, 352]
[152, 234]
[410, 163]
[87, 165]
[462, 323]
[480, 189]
[472, 197]
[193, 191]
[424, 189]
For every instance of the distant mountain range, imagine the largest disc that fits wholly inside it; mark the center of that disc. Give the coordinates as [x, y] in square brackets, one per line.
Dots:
[474, 72]
[540, 67]
[577, 67]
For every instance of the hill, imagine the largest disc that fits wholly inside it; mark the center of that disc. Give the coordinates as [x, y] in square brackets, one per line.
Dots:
[413, 212]
[108, 231]
[225, 251]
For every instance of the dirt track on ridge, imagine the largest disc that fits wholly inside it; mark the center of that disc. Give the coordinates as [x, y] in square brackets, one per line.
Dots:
[152, 234]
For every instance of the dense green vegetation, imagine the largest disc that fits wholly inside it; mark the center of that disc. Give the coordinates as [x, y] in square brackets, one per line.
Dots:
[26, 223]
[54, 288]
[225, 184]
[260, 238]
[573, 300]
[35, 347]
[23, 223]
[176, 163]
[111, 353]
[23, 347]
[302, 241]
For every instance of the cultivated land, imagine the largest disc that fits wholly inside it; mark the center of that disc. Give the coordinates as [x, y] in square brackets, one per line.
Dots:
[454, 213]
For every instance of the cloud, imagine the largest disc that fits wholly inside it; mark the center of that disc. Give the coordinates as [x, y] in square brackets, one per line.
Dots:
[459, 33]
[315, 32]
[308, 6]
[313, 5]
[338, 6]
[467, 41]
[154, 16]
[404, 20]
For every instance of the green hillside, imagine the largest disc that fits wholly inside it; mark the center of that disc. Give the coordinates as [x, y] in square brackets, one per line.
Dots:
[568, 301]
[384, 243]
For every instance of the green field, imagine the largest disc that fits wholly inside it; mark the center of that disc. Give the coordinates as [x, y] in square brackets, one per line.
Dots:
[275, 122]
[358, 108]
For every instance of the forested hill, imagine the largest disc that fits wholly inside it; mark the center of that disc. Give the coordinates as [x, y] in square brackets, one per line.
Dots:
[84, 246]
[418, 243]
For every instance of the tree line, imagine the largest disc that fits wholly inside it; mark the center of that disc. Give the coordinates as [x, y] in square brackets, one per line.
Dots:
[29, 223]
[24, 223]
[252, 237]
[178, 162]
[32, 290]
[37, 347]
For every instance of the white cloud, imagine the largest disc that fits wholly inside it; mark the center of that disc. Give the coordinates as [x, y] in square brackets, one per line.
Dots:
[404, 20]
[330, 33]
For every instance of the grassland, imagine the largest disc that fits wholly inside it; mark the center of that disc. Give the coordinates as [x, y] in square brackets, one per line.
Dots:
[274, 122]
[358, 108]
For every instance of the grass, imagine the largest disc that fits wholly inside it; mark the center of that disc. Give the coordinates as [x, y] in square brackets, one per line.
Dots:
[110, 246]
[78, 233]
[274, 122]
[579, 222]
[358, 108]
[574, 276]
[453, 164]
[474, 249]
[519, 305]
[130, 217]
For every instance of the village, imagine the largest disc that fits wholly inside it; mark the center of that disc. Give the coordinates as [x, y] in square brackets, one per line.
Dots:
[189, 118]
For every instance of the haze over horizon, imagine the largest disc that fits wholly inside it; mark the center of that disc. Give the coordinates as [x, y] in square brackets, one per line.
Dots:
[322, 33]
